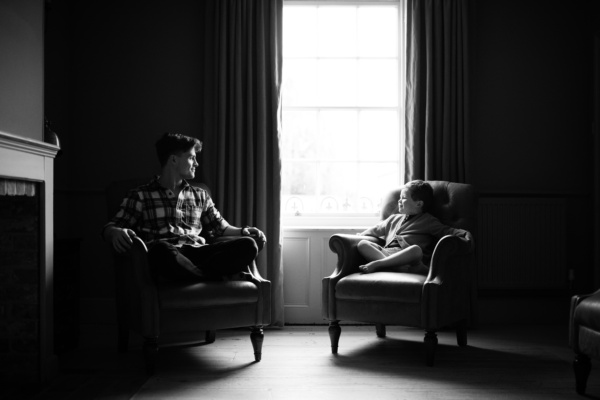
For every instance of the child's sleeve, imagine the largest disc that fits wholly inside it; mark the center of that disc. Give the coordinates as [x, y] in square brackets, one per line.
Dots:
[439, 230]
[378, 230]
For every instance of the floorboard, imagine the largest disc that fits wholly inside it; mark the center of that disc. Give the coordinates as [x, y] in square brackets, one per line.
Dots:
[500, 362]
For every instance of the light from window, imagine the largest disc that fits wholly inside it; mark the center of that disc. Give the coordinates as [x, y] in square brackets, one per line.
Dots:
[341, 108]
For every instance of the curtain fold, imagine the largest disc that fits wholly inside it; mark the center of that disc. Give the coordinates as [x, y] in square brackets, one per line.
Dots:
[241, 113]
[436, 134]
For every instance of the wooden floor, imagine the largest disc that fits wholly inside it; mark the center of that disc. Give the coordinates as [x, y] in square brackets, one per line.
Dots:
[515, 362]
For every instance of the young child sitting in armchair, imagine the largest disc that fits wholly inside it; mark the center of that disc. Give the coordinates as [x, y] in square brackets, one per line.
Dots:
[409, 235]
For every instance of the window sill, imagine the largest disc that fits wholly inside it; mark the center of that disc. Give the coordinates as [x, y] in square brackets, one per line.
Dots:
[328, 222]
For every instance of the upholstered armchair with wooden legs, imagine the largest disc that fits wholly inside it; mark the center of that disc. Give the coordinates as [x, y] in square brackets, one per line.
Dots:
[165, 312]
[444, 298]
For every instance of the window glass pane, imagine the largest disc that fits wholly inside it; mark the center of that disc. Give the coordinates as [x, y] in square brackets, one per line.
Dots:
[378, 83]
[341, 107]
[299, 82]
[375, 180]
[336, 82]
[299, 31]
[338, 135]
[337, 186]
[377, 31]
[300, 137]
[337, 32]
[299, 178]
[379, 138]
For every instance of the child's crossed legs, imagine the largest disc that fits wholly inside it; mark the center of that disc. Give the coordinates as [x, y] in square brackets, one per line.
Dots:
[405, 260]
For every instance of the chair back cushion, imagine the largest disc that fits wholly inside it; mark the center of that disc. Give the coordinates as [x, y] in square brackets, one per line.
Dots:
[454, 204]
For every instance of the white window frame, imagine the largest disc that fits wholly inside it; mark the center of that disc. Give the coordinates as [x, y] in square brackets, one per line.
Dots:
[358, 220]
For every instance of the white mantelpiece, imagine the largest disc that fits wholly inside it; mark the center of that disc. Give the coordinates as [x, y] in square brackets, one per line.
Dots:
[32, 160]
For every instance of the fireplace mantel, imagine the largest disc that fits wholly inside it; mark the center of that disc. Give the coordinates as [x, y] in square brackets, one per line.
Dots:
[32, 160]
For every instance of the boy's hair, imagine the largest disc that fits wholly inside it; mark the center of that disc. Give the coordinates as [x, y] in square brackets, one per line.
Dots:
[175, 143]
[421, 190]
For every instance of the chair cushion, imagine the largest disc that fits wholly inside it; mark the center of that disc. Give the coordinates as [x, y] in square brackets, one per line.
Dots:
[381, 286]
[587, 313]
[206, 294]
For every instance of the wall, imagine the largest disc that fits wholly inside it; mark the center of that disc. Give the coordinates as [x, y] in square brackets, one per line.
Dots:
[530, 97]
[531, 110]
[22, 68]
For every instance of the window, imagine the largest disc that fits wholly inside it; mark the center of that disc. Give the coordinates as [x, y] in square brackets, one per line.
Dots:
[341, 138]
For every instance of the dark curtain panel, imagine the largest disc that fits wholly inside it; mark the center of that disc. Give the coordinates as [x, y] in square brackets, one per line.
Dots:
[436, 95]
[241, 160]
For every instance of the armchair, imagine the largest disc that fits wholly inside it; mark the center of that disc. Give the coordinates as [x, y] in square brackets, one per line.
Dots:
[181, 311]
[443, 298]
[584, 336]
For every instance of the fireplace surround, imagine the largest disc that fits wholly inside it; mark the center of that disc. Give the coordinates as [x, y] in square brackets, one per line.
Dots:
[27, 172]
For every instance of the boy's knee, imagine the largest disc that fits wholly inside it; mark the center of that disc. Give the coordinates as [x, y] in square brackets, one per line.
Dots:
[248, 246]
[363, 244]
[416, 251]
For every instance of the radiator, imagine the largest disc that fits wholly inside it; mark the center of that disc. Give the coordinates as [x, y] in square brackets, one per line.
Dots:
[521, 243]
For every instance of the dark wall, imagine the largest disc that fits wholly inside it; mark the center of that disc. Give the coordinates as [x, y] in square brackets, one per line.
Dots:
[531, 96]
[133, 73]
[531, 77]
[22, 68]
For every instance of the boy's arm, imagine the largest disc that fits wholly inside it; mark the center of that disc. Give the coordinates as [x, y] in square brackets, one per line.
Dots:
[464, 235]
[377, 231]
[439, 230]
[118, 231]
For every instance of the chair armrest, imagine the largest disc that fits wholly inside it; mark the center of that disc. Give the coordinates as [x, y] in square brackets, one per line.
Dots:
[446, 289]
[251, 274]
[348, 261]
[345, 246]
[137, 292]
[447, 247]
[574, 330]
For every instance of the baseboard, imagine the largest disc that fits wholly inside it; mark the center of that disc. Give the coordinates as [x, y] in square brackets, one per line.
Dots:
[523, 310]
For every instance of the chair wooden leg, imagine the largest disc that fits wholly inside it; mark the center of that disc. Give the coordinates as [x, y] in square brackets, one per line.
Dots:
[334, 335]
[582, 367]
[123, 339]
[380, 329]
[150, 352]
[461, 333]
[257, 337]
[210, 336]
[431, 342]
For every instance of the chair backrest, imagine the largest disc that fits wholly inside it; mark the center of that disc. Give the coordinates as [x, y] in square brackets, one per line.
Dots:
[454, 204]
[117, 190]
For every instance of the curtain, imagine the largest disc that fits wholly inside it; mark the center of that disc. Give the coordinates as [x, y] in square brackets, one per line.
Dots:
[241, 113]
[436, 134]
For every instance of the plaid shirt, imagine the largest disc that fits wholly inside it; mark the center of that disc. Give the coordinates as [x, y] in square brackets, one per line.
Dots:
[154, 213]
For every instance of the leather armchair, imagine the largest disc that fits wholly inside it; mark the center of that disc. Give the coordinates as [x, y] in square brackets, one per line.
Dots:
[177, 312]
[584, 336]
[443, 298]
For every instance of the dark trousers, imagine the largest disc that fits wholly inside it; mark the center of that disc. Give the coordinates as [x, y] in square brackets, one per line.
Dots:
[214, 260]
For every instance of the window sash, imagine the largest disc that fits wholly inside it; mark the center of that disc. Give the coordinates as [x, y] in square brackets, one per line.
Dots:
[341, 218]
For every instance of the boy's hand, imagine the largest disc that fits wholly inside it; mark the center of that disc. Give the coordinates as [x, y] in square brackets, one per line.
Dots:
[121, 239]
[468, 239]
[254, 232]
